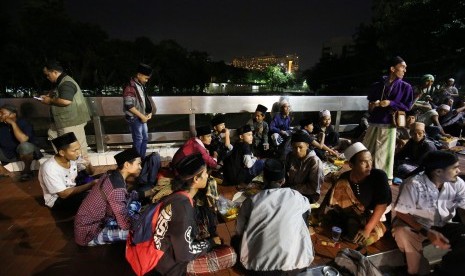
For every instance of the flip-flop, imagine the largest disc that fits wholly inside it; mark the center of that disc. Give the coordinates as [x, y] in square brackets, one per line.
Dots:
[26, 176]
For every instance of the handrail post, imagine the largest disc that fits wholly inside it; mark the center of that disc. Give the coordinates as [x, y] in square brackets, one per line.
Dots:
[338, 120]
[192, 118]
[98, 127]
[192, 124]
[99, 135]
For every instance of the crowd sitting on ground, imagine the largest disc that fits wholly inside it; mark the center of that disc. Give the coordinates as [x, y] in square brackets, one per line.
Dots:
[291, 161]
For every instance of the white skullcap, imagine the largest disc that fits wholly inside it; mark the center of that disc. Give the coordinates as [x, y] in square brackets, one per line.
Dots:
[444, 107]
[451, 80]
[283, 101]
[353, 150]
[325, 113]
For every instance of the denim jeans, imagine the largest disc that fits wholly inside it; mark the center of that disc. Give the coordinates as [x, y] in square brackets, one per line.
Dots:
[140, 135]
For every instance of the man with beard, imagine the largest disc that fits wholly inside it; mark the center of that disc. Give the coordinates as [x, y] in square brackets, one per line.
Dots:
[410, 156]
[424, 210]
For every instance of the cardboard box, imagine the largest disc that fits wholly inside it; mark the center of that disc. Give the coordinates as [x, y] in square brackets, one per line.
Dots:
[450, 142]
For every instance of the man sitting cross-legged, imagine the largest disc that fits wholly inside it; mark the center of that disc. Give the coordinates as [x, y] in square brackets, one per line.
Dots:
[197, 144]
[176, 229]
[360, 199]
[275, 239]
[16, 141]
[57, 175]
[107, 213]
[241, 166]
[410, 156]
[304, 170]
[424, 210]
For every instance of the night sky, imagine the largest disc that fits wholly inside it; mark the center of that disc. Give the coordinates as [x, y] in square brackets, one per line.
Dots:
[229, 28]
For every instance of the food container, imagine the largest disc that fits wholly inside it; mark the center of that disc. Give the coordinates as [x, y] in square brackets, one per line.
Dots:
[228, 209]
[449, 142]
[339, 162]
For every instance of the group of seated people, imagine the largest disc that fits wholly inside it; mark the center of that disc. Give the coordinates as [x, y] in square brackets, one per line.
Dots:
[439, 108]
[267, 245]
[437, 115]
[107, 208]
[242, 162]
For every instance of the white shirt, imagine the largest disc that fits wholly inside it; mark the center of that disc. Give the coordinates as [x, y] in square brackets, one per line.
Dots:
[275, 236]
[53, 179]
[420, 198]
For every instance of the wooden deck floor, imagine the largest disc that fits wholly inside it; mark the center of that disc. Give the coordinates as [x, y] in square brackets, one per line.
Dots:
[35, 241]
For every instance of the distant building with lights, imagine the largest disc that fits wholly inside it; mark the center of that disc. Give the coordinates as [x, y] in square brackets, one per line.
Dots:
[338, 47]
[290, 63]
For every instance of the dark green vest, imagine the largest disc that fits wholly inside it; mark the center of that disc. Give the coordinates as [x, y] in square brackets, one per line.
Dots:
[74, 114]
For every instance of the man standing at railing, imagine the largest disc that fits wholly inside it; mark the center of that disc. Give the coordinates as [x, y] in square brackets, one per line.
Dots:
[386, 97]
[138, 108]
[68, 106]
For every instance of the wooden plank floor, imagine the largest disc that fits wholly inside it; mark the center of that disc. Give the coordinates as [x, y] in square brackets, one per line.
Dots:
[35, 241]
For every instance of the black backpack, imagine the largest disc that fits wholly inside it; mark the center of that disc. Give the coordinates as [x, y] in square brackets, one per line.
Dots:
[150, 167]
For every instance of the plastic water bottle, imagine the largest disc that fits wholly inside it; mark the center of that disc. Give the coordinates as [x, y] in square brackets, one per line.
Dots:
[134, 207]
[112, 224]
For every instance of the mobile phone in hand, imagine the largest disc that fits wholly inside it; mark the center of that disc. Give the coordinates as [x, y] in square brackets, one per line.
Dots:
[38, 98]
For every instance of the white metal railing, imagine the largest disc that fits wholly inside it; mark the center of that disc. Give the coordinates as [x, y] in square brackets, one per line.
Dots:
[192, 105]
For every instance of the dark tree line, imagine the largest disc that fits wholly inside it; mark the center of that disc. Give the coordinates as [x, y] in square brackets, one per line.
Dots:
[42, 31]
[428, 34]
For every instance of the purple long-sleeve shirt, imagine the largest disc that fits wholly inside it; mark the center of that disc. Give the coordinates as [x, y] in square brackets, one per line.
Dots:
[400, 95]
[280, 123]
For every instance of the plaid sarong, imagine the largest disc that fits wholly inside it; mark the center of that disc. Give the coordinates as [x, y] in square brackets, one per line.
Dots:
[221, 257]
[108, 235]
[380, 140]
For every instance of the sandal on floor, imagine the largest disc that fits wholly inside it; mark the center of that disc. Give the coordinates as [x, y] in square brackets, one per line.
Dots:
[26, 176]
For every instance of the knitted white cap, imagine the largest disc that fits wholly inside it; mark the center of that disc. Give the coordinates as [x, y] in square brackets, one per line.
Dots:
[353, 150]
[325, 113]
[444, 107]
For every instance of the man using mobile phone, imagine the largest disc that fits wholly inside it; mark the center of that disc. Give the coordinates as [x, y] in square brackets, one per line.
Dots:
[68, 106]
